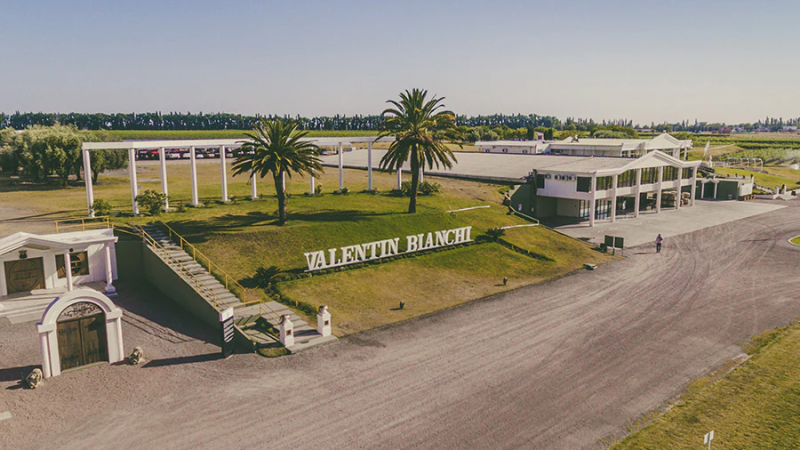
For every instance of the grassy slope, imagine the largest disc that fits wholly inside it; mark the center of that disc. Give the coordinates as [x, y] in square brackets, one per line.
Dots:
[777, 176]
[757, 406]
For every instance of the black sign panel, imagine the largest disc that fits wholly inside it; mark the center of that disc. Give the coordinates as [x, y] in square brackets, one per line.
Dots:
[227, 337]
[609, 241]
[618, 242]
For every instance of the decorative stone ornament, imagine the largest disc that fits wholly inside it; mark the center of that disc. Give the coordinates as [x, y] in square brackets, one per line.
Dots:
[287, 331]
[34, 379]
[324, 321]
[136, 356]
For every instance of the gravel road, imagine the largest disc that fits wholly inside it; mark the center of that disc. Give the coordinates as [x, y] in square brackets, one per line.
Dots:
[559, 365]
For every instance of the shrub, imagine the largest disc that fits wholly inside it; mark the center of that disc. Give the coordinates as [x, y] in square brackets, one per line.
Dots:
[342, 191]
[405, 188]
[101, 207]
[152, 202]
[426, 188]
[495, 234]
[318, 189]
[267, 277]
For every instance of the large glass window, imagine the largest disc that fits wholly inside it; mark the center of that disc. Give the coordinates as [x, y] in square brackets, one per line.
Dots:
[604, 183]
[670, 173]
[687, 172]
[649, 175]
[584, 184]
[626, 179]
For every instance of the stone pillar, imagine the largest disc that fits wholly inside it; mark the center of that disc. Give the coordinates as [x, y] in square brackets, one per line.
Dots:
[658, 192]
[614, 180]
[134, 183]
[110, 289]
[702, 189]
[341, 167]
[638, 191]
[716, 183]
[44, 345]
[311, 187]
[68, 269]
[193, 173]
[162, 157]
[680, 186]
[224, 173]
[694, 186]
[324, 321]
[253, 189]
[286, 331]
[421, 175]
[283, 181]
[593, 201]
[87, 178]
[399, 178]
[369, 165]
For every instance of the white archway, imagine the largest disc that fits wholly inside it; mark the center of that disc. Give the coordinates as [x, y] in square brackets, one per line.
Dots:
[48, 338]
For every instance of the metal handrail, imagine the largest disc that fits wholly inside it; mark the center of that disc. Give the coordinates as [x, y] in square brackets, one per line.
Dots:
[228, 280]
[184, 271]
[102, 220]
[263, 309]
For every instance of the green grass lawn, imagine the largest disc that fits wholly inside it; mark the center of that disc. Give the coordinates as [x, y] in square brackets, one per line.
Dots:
[757, 406]
[795, 240]
[777, 176]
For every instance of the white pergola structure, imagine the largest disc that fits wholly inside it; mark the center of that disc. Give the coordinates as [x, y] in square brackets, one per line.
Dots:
[192, 145]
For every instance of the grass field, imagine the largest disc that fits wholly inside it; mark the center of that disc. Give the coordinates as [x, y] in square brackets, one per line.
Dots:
[777, 176]
[757, 406]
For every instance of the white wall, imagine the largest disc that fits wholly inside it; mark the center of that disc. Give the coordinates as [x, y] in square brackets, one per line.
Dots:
[568, 207]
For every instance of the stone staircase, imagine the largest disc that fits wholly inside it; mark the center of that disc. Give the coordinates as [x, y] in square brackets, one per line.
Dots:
[257, 322]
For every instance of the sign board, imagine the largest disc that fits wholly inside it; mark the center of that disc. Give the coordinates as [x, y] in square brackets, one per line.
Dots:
[619, 242]
[708, 437]
[226, 320]
[352, 254]
[609, 241]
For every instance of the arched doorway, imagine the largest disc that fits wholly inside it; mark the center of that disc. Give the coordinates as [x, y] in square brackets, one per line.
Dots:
[81, 327]
[82, 340]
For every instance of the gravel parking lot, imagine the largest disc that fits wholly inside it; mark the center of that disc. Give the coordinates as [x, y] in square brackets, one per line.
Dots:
[559, 365]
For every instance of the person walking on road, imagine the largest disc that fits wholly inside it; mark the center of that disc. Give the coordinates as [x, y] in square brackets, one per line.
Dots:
[659, 240]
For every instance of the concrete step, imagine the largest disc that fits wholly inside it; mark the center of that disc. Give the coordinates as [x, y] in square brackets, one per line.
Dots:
[314, 342]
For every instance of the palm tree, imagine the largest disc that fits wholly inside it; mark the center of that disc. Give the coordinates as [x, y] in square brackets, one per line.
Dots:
[277, 148]
[419, 126]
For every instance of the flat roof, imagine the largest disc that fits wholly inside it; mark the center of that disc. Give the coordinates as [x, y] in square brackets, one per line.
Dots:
[213, 143]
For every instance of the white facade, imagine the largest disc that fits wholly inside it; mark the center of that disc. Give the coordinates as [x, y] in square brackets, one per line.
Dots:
[98, 245]
[512, 147]
[573, 146]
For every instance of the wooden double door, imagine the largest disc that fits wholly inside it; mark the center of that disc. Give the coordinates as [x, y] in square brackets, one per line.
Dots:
[24, 275]
[82, 341]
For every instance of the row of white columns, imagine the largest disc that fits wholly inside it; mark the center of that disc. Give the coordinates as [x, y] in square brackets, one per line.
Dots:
[223, 174]
[638, 190]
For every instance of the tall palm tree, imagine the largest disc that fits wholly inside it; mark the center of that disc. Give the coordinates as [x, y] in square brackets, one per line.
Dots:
[419, 125]
[278, 149]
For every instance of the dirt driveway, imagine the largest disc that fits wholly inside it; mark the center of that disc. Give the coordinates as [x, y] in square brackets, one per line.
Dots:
[554, 366]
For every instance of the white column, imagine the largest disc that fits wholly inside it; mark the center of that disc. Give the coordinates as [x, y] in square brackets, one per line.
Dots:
[87, 178]
[311, 185]
[68, 269]
[716, 183]
[253, 190]
[45, 347]
[283, 181]
[369, 165]
[614, 198]
[110, 289]
[162, 157]
[680, 185]
[658, 192]
[638, 191]
[341, 167]
[134, 183]
[193, 173]
[702, 190]
[224, 174]
[421, 175]
[399, 177]
[694, 186]
[593, 204]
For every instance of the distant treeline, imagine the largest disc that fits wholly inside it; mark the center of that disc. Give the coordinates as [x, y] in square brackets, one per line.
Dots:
[496, 122]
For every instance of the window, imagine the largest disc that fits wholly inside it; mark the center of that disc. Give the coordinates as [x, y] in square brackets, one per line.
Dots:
[540, 181]
[604, 183]
[584, 184]
[505, 150]
[79, 261]
[670, 173]
[687, 172]
[649, 175]
[626, 179]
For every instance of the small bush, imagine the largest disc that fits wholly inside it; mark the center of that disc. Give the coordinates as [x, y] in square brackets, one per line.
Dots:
[318, 189]
[426, 188]
[101, 208]
[494, 234]
[151, 201]
[267, 277]
[342, 191]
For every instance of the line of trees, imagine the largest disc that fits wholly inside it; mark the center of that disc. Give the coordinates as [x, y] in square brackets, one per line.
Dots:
[54, 152]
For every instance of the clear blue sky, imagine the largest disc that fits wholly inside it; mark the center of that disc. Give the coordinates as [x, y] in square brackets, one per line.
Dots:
[644, 60]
